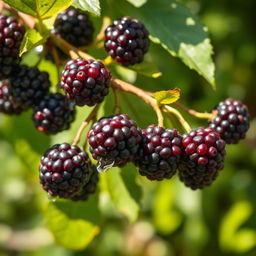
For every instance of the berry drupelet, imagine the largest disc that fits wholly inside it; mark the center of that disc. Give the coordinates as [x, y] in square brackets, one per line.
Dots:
[53, 114]
[160, 153]
[127, 41]
[114, 140]
[202, 158]
[232, 120]
[89, 188]
[64, 170]
[28, 85]
[11, 35]
[7, 105]
[85, 81]
[74, 26]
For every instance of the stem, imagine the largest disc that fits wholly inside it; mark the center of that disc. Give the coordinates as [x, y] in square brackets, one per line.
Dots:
[117, 107]
[182, 121]
[84, 124]
[106, 22]
[195, 113]
[124, 86]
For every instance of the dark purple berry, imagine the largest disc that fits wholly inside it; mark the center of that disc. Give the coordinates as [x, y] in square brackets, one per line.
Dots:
[89, 188]
[127, 41]
[11, 35]
[159, 153]
[60, 179]
[232, 120]
[53, 114]
[114, 140]
[202, 158]
[7, 105]
[85, 82]
[28, 85]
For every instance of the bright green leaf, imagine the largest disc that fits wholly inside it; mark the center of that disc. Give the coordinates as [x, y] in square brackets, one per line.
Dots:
[137, 3]
[175, 28]
[92, 6]
[73, 224]
[40, 8]
[120, 194]
[167, 97]
[147, 68]
[31, 39]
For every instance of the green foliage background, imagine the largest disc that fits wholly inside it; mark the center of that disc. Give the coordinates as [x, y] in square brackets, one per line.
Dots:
[130, 215]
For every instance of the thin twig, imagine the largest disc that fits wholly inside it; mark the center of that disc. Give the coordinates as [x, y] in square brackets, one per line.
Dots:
[84, 124]
[124, 86]
[106, 22]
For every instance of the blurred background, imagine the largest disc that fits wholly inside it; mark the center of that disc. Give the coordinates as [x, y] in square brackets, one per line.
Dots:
[173, 220]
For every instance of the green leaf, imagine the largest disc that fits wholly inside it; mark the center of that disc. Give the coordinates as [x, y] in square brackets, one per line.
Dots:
[176, 29]
[73, 224]
[137, 3]
[40, 8]
[122, 197]
[31, 39]
[92, 6]
[146, 68]
[167, 97]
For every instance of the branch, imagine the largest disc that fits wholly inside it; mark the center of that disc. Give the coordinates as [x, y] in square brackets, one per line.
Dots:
[84, 124]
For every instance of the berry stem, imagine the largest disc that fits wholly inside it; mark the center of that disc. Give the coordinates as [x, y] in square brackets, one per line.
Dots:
[181, 119]
[106, 22]
[84, 124]
[124, 86]
[193, 112]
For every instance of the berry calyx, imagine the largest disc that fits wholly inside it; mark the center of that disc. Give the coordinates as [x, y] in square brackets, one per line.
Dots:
[28, 85]
[127, 41]
[64, 170]
[85, 81]
[7, 105]
[53, 114]
[114, 140]
[11, 35]
[232, 120]
[202, 158]
[159, 154]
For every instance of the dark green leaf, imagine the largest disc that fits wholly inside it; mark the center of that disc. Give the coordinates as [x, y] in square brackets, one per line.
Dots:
[175, 28]
[92, 6]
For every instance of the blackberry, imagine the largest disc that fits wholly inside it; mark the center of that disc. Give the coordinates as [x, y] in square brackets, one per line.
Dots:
[85, 81]
[7, 105]
[89, 188]
[54, 113]
[202, 158]
[127, 41]
[232, 120]
[64, 170]
[159, 153]
[74, 26]
[28, 85]
[11, 35]
[114, 140]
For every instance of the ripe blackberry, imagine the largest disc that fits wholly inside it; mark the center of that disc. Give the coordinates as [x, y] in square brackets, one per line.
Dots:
[7, 105]
[74, 26]
[64, 170]
[53, 114]
[89, 188]
[28, 85]
[127, 41]
[114, 140]
[203, 157]
[85, 81]
[160, 153]
[232, 120]
[11, 35]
